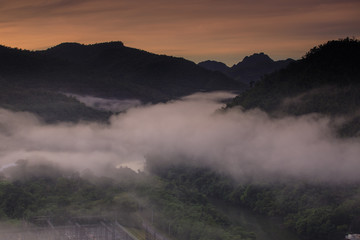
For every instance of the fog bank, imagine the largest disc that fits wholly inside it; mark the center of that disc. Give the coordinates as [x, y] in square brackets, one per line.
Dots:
[190, 129]
[113, 105]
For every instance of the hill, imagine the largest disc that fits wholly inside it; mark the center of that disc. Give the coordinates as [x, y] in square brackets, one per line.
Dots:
[109, 70]
[250, 69]
[215, 66]
[36, 80]
[326, 81]
[50, 106]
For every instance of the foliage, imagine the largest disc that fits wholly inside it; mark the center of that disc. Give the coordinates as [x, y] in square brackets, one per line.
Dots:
[179, 200]
[43, 189]
[33, 190]
[312, 210]
[186, 213]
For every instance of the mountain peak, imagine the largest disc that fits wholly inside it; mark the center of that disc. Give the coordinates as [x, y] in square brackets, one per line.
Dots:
[214, 66]
[257, 58]
[251, 68]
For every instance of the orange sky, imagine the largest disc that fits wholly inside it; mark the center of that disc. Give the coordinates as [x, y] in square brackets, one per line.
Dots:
[223, 30]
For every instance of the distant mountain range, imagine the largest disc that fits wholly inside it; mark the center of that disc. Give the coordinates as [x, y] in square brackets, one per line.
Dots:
[250, 69]
[110, 70]
[36, 81]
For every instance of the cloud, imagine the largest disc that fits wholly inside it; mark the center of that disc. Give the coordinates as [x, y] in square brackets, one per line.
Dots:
[243, 144]
[113, 105]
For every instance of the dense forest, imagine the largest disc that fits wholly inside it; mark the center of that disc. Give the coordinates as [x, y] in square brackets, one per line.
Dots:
[185, 198]
[312, 210]
[32, 190]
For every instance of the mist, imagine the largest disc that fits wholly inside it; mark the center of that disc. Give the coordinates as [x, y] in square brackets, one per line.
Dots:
[190, 130]
[113, 105]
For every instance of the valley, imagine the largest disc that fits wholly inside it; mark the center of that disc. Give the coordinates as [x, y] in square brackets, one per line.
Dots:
[141, 139]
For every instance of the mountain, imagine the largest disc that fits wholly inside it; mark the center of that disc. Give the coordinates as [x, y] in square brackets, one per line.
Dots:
[253, 67]
[110, 70]
[36, 80]
[214, 66]
[326, 80]
[250, 69]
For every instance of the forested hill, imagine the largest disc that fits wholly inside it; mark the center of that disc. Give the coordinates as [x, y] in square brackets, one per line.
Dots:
[326, 80]
[109, 70]
[35, 81]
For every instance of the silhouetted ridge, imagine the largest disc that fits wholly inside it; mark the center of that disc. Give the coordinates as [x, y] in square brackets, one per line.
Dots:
[110, 70]
[250, 69]
[81, 53]
[214, 66]
[253, 67]
[256, 58]
[76, 46]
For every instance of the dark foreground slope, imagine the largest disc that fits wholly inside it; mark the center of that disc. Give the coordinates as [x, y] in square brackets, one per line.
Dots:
[326, 81]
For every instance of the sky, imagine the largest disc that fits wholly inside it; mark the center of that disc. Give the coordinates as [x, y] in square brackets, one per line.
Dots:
[198, 30]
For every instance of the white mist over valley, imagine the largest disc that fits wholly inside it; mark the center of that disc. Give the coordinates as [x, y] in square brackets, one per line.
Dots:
[113, 105]
[192, 130]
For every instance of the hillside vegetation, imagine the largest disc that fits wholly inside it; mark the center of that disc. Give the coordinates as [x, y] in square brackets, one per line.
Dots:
[42, 189]
[326, 81]
[311, 210]
[188, 200]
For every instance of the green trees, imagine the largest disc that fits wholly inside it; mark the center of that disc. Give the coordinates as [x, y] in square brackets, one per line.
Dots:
[184, 201]
[15, 202]
[311, 210]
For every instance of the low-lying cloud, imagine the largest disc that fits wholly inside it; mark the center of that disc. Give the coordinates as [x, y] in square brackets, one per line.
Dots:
[113, 105]
[241, 143]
